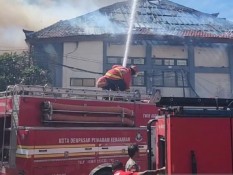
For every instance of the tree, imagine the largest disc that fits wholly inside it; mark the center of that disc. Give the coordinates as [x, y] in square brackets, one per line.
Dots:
[18, 69]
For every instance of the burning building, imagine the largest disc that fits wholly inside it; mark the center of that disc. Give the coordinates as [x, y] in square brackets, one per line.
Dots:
[179, 50]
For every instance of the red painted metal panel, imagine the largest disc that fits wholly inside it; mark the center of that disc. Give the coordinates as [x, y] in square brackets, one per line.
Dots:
[85, 149]
[30, 112]
[209, 138]
[30, 109]
[45, 149]
[5, 106]
[231, 139]
[67, 170]
[145, 112]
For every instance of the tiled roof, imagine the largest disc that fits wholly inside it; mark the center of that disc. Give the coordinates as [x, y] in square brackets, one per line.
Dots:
[153, 17]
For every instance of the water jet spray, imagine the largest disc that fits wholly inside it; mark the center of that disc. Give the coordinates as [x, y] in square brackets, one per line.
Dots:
[129, 34]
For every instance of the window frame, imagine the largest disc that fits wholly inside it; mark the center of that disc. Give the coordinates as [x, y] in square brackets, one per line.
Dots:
[130, 60]
[169, 59]
[176, 77]
[82, 82]
[118, 60]
[137, 58]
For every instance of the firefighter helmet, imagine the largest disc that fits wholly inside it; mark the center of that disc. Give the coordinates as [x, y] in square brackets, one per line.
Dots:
[101, 82]
[134, 69]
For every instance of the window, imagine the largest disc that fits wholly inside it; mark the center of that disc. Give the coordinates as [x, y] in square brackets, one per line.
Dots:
[114, 60]
[132, 60]
[181, 79]
[138, 60]
[85, 82]
[170, 62]
[158, 62]
[139, 80]
[181, 62]
[129, 61]
[158, 78]
[169, 79]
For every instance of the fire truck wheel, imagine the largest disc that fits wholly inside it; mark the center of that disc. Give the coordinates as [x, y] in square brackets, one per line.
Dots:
[104, 172]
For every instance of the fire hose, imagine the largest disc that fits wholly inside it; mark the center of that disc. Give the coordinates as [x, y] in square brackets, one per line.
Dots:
[92, 114]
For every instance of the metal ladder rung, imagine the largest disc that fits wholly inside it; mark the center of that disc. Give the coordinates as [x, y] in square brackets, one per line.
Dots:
[77, 122]
[91, 112]
[44, 90]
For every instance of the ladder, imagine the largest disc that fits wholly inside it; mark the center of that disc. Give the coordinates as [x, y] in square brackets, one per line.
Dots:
[9, 132]
[35, 90]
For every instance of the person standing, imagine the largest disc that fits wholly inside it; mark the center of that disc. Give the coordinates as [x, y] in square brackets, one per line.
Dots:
[131, 164]
[117, 78]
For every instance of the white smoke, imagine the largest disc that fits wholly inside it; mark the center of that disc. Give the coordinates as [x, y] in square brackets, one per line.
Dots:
[16, 15]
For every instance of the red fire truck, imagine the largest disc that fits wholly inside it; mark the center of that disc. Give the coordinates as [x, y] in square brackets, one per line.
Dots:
[59, 131]
[193, 136]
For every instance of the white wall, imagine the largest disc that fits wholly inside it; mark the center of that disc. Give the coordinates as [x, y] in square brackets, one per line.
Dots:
[211, 57]
[87, 55]
[180, 52]
[119, 50]
[212, 85]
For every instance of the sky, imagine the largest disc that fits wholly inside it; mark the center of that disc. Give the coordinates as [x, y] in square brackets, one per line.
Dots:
[16, 15]
[223, 7]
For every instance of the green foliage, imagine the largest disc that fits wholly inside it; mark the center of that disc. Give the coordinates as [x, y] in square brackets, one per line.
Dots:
[18, 68]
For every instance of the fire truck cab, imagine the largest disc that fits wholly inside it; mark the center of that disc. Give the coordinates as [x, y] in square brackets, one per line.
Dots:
[59, 131]
[193, 136]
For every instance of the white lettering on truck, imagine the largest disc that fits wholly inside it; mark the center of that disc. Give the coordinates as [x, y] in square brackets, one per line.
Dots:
[94, 140]
[149, 116]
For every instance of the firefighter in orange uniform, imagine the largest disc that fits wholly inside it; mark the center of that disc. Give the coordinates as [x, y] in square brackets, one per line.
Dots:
[117, 78]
